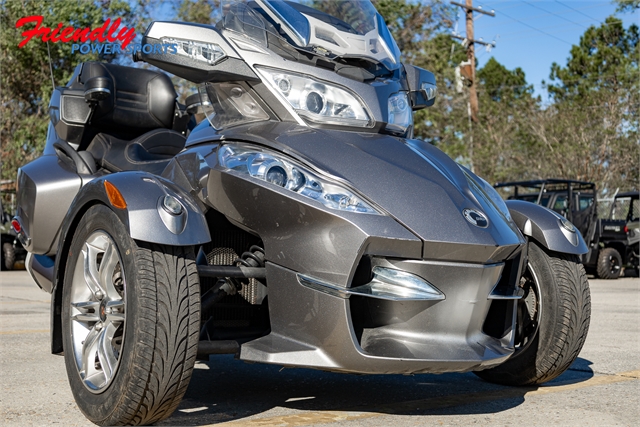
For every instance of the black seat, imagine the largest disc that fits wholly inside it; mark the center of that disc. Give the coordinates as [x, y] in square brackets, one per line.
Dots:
[133, 125]
[150, 152]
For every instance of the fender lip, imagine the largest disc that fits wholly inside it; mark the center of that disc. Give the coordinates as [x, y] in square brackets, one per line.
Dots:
[544, 226]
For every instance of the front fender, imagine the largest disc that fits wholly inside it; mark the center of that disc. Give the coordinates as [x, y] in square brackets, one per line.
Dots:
[143, 215]
[544, 226]
[143, 218]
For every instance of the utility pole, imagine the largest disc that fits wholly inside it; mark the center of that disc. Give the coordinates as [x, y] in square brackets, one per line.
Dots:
[471, 55]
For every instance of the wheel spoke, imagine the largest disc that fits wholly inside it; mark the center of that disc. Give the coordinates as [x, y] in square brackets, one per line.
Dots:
[115, 311]
[106, 356]
[88, 311]
[89, 353]
[107, 267]
[91, 275]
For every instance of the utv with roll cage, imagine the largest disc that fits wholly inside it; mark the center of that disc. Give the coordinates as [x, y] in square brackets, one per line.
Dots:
[576, 200]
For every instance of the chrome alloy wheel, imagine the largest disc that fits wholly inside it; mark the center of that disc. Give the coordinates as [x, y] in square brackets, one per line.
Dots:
[97, 311]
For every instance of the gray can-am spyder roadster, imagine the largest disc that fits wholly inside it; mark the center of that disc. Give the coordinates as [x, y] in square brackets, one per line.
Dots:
[298, 225]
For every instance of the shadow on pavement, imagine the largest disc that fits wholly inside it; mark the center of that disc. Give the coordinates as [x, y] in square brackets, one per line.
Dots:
[224, 389]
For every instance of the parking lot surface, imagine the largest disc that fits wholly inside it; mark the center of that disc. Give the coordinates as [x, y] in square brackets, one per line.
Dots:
[602, 387]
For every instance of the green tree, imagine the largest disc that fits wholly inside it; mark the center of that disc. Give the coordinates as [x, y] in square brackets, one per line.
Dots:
[592, 128]
[627, 5]
[502, 143]
[25, 74]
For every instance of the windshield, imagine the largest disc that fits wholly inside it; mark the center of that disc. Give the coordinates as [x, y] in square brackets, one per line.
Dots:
[338, 28]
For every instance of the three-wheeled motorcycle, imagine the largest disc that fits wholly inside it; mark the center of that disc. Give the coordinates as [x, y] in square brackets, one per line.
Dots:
[299, 224]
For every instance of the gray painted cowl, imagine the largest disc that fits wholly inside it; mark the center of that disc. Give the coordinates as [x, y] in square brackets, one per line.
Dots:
[424, 192]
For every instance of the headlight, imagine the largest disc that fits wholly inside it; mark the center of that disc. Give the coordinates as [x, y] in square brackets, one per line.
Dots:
[210, 53]
[283, 172]
[318, 101]
[400, 114]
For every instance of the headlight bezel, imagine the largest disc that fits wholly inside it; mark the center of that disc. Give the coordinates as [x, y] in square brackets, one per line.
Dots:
[332, 95]
[256, 162]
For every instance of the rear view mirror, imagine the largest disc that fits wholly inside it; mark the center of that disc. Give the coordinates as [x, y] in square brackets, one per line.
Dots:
[422, 87]
[194, 52]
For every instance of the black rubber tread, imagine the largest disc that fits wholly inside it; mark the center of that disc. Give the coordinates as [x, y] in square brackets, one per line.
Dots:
[8, 256]
[566, 312]
[162, 328]
[604, 266]
[169, 286]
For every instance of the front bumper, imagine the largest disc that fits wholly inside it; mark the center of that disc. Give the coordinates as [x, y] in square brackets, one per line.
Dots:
[466, 331]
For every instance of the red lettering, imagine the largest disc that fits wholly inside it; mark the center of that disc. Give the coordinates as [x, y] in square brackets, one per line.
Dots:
[106, 32]
[103, 35]
[65, 35]
[96, 34]
[126, 36]
[112, 30]
[44, 33]
[29, 34]
[54, 34]
[81, 35]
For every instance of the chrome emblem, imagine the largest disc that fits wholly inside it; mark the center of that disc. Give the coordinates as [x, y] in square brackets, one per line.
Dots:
[476, 218]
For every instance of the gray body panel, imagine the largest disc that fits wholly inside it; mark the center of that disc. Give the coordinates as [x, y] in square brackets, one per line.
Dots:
[47, 188]
[543, 225]
[313, 329]
[413, 191]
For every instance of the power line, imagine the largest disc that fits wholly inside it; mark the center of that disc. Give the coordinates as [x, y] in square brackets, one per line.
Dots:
[541, 28]
[534, 28]
[576, 10]
[499, 23]
[553, 13]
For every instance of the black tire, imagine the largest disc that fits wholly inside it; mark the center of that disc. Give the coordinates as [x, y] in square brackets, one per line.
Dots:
[155, 341]
[548, 342]
[609, 264]
[8, 256]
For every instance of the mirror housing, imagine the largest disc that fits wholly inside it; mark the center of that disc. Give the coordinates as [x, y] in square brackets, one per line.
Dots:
[194, 52]
[422, 87]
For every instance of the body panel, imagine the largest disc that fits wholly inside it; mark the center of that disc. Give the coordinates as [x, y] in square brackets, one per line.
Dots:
[543, 225]
[303, 334]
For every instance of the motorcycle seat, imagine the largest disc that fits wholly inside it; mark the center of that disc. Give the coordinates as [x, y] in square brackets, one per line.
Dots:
[150, 152]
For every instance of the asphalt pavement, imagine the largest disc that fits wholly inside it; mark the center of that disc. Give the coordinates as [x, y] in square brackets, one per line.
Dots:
[602, 387]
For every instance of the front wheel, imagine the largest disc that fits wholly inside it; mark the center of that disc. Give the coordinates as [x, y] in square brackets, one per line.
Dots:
[552, 320]
[130, 321]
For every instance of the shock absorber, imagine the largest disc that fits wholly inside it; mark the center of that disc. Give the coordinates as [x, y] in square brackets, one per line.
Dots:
[253, 258]
[245, 266]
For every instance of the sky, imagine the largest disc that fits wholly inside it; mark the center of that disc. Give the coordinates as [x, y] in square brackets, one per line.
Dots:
[532, 34]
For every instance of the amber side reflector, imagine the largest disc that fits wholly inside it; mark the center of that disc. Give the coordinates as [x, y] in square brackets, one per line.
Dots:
[115, 198]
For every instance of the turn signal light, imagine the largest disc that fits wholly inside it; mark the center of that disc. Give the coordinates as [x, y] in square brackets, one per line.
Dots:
[114, 195]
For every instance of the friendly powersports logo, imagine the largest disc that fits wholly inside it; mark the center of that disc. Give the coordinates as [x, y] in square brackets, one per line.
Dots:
[109, 38]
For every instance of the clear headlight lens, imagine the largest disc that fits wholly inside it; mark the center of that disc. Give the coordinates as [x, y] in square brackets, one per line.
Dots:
[281, 171]
[400, 114]
[318, 101]
[209, 53]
